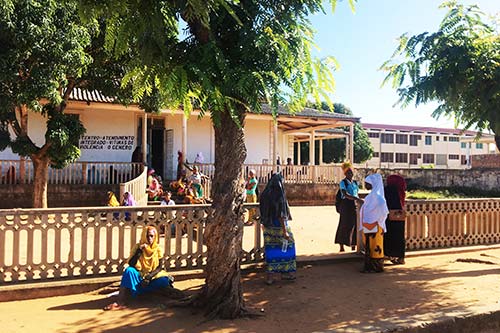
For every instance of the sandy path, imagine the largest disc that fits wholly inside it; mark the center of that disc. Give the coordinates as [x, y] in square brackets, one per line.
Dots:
[331, 297]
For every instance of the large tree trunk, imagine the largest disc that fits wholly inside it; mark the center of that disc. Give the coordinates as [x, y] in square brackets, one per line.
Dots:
[497, 141]
[222, 294]
[41, 169]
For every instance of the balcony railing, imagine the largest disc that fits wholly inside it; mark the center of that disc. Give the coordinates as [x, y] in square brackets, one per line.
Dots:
[298, 174]
[22, 172]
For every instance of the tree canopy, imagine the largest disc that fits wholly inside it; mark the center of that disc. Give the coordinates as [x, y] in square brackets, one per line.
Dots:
[222, 57]
[48, 51]
[458, 66]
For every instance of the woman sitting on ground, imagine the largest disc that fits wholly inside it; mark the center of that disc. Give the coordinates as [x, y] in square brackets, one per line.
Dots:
[112, 201]
[144, 273]
[154, 190]
[128, 200]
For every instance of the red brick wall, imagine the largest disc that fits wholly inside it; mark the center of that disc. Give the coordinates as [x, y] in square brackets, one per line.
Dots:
[489, 161]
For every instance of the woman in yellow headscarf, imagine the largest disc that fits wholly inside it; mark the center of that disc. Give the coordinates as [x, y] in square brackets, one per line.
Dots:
[144, 273]
[112, 201]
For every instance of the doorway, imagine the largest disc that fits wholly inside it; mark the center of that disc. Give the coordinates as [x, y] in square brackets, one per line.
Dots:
[157, 147]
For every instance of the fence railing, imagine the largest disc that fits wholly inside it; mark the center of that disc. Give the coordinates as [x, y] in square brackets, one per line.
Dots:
[458, 222]
[54, 244]
[22, 172]
[137, 187]
[301, 174]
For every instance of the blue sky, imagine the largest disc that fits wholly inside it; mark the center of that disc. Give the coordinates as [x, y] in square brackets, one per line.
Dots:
[363, 40]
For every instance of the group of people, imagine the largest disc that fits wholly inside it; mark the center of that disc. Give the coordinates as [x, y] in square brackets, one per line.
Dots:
[190, 188]
[381, 220]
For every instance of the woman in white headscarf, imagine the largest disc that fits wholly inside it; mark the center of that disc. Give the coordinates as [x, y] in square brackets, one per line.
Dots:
[372, 223]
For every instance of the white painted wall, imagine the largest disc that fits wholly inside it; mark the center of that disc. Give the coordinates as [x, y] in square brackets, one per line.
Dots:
[257, 141]
[199, 139]
[107, 125]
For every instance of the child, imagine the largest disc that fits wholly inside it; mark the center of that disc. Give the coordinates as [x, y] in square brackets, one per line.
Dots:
[167, 199]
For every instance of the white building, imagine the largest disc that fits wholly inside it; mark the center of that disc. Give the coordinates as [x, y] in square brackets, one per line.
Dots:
[397, 146]
[113, 132]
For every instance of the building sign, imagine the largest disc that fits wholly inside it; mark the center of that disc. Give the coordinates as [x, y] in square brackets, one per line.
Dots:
[108, 142]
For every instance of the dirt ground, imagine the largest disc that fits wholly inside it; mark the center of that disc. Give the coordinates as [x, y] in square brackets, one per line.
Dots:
[332, 297]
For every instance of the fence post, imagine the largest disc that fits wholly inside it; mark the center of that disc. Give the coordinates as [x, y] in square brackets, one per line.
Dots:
[22, 170]
[84, 173]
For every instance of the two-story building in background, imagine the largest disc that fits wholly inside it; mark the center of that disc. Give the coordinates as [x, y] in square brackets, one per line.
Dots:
[399, 146]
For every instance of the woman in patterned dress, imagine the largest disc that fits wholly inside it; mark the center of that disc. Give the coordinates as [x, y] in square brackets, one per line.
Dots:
[278, 238]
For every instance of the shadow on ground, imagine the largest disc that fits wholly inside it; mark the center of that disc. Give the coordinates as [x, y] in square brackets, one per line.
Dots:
[324, 298]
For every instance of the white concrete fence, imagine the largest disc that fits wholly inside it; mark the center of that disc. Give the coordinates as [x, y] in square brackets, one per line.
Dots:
[56, 244]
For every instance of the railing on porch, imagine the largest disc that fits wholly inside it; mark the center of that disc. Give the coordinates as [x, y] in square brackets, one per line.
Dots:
[22, 172]
[302, 174]
[137, 187]
[54, 244]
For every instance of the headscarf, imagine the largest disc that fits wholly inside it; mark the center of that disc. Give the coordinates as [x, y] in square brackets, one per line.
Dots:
[346, 166]
[151, 172]
[112, 201]
[151, 254]
[374, 208]
[129, 201]
[273, 204]
[399, 183]
[199, 158]
[155, 185]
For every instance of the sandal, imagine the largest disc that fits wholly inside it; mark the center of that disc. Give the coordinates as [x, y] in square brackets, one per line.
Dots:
[114, 306]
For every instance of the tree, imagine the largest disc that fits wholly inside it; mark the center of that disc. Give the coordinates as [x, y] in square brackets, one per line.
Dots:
[334, 149]
[231, 57]
[458, 66]
[48, 51]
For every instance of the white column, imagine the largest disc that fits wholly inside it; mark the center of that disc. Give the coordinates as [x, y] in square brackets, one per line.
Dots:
[321, 151]
[145, 137]
[184, 137]
[351, 141]
[297, 162]
[347, 143]
[311, 148]
[275, 142]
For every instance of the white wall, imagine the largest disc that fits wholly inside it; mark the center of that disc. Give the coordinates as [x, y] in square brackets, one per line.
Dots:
[107, 125]
[258, 141]
[200, 138]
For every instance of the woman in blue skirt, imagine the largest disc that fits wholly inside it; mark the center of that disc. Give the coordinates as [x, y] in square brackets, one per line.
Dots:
[145, 272]
[278, 238]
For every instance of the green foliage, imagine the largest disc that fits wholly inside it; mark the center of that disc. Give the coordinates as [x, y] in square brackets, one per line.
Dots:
[458, 66]
[64, 132]
[334, 149]
[47, 51]
[232, 56]
[449, 192]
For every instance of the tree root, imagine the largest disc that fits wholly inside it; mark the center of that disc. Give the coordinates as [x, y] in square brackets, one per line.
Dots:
[475, 261]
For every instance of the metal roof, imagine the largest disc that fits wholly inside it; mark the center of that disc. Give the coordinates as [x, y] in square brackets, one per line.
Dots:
[83, 95]
[421, 129]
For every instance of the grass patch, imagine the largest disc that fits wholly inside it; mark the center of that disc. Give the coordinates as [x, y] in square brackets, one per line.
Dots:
[450, 193]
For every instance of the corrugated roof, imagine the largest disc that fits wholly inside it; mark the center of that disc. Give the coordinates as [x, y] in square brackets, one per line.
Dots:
[310, 113]
[418, 129]
[83, 95]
